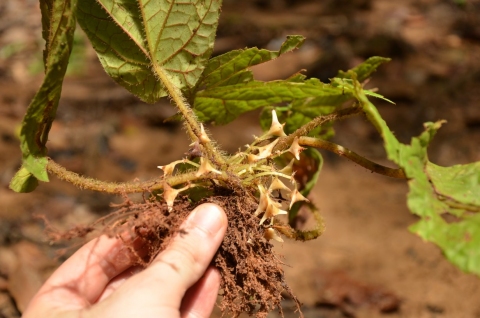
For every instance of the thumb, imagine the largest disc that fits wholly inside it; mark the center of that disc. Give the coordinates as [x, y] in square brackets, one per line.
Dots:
[187, 257]
[159, 289]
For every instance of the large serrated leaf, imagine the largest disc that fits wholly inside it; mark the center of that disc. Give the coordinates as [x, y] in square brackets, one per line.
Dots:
[301, 111]
[117, 38]
[225, 103]
[58, 23]
[230, 68]
[134, 39]
[445, 198]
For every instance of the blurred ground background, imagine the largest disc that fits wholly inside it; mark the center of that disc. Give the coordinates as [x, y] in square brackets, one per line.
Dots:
[367, 263]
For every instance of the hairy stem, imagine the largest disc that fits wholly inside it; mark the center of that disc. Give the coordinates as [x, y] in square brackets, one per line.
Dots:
[285, 142]
[124, 187]
[344, 152]
[193, 126]
[268, 173]
[300, 235]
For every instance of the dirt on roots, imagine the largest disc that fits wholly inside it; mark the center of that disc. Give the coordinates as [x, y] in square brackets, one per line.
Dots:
[252, 281]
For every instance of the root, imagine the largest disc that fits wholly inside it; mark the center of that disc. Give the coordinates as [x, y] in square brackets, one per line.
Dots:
[252, 275]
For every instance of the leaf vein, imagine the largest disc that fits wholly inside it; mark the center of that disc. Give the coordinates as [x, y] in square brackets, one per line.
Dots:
[174, 54]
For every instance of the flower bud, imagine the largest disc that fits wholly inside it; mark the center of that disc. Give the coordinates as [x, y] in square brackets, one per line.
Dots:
[270, 234]
[266, 151]
[168, 169]
[205, 167]
[277, 185]
[276, 129]
[296, 149]
[263, 152]
[169, 195]
[253, 158]
[203, 135]
[273, 209]
[288, 169]
[262, 205]
[296, 196]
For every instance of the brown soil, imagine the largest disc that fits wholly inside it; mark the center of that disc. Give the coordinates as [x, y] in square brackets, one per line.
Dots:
[366, 264]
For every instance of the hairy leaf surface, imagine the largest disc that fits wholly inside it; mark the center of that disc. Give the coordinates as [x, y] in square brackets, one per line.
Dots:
[135, 39]
[302, 111]
[230, 68]
[225, 103]
[445, 198]
[58, 25]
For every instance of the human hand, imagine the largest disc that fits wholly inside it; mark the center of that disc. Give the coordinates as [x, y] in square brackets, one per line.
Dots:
[99, 280]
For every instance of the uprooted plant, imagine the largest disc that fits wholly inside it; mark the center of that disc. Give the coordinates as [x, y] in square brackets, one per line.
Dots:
[162, 48]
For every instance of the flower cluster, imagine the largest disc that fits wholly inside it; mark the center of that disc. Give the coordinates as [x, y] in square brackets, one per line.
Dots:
[255, 160]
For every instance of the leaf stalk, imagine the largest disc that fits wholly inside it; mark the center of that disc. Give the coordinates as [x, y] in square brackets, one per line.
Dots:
[285, 142]
[193, 125]
[125, 187]
[350, 155]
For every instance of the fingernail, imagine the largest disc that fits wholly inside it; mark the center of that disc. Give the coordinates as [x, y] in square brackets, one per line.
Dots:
[207, 217]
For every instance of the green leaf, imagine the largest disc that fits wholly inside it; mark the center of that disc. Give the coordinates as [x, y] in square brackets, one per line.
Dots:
[225, 103]
[459, 183]
[58, 24]
[373, 94]
[136, 39]
[23, 181]
[46, 8]
[445, 198]
[459, 241]
[230, 68]
[365, 69]
[302, 111]
[301, 114]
